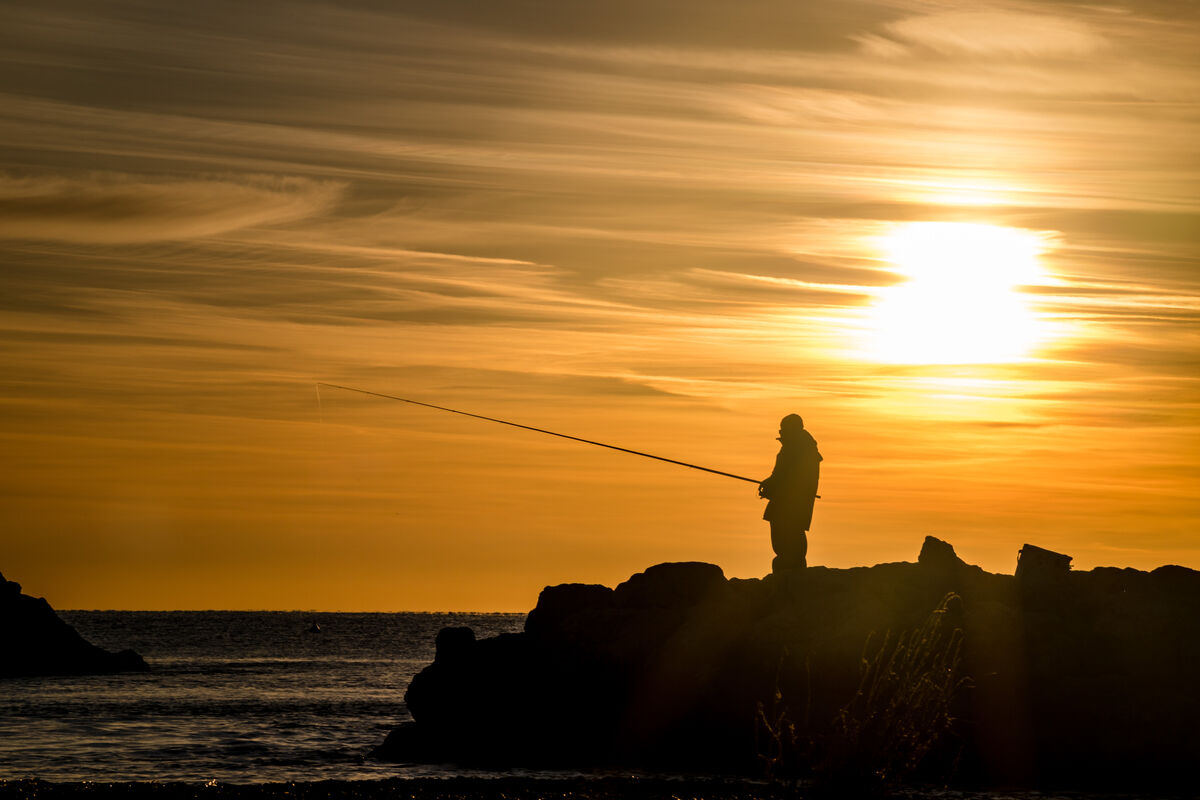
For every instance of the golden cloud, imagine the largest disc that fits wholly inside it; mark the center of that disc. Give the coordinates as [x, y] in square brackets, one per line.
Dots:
[114, 208]
[998, 32]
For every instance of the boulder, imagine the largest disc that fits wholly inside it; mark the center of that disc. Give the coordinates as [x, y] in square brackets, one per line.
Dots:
[38, 642]
[1037, 564]
[1076, 678]
[671, 585]
[936, 554]
[453, 644]
[557, 604]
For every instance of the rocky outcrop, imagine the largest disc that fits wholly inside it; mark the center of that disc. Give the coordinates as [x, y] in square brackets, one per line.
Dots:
[1063, 677]
[37, 642]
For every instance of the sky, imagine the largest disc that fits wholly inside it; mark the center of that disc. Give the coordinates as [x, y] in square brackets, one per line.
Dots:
[960, 239]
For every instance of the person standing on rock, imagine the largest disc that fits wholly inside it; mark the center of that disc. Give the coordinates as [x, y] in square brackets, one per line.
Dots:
[791, 492]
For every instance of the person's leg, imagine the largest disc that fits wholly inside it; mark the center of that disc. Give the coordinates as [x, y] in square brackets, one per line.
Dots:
[778, 538]
[790, 545]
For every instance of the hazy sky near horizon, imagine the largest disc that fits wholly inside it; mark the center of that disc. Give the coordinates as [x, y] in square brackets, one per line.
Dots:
[960, 239]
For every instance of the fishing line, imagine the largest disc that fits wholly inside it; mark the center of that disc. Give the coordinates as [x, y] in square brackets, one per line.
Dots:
[536, 430]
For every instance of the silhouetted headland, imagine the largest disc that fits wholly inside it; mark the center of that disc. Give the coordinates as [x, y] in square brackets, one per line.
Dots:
[38, 642]
[1048, 676]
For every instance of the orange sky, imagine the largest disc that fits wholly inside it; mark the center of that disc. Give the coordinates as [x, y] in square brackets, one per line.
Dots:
[960, 240]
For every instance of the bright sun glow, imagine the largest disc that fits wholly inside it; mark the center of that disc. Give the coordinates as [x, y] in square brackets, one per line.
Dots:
[961, 302]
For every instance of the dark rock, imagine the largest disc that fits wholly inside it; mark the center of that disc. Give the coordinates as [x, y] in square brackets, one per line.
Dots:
[1079, 678]
[405, 743]
[1174, 578]
[936, 554]
[1038, 564]
[37, 642]
[453, 644]
[557, 604]
[671, 585]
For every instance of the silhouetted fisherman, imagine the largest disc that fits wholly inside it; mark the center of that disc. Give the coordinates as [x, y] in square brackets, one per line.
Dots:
[791, 491]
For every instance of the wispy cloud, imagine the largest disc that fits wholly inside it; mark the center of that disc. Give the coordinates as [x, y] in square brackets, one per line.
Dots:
[1009, 33]
[654, 220]
[113, 208]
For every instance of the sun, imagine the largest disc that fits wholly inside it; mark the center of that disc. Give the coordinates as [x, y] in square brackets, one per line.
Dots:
[961, 302]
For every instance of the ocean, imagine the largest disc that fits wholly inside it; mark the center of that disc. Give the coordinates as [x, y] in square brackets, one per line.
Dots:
[232, 696]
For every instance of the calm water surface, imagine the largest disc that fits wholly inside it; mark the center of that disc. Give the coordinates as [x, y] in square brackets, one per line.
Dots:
[239, 697]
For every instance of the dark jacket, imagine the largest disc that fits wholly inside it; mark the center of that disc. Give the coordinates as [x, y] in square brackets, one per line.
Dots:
[792, 486]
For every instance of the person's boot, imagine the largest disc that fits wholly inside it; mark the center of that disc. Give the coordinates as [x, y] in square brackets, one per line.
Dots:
[787, 563]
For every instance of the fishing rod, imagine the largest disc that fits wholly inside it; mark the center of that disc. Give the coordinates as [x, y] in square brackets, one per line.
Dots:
[539, 430]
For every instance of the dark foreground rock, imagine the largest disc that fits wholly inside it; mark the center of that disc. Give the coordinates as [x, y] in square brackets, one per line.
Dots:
[457, 788]
[37, 642]
[1046, 677]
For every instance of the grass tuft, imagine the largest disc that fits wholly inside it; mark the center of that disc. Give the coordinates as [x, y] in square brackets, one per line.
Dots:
[897, 716]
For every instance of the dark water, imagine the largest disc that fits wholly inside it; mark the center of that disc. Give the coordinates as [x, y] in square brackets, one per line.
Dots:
[238, 697]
